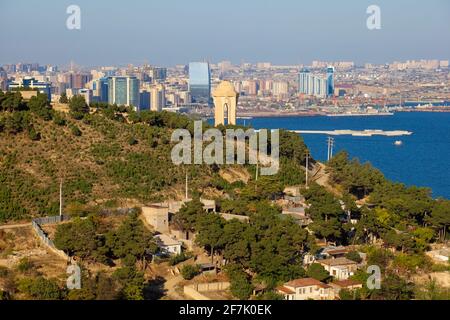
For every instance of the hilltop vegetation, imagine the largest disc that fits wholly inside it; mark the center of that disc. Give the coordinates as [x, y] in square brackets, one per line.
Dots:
[108, 155]
[407, 218]
[104, 154]
[101, 157]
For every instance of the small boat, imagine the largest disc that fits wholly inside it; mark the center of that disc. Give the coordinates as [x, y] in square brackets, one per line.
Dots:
[398, 143]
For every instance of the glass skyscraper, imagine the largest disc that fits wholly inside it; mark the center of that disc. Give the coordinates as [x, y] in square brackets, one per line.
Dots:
[330, 81]
[103, 89]
[200, 82]
[123, 91]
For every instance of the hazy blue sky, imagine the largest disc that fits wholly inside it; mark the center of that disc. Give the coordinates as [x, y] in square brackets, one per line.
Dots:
[169, 32]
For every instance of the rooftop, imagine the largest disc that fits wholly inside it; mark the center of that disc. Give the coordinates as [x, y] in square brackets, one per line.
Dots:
[305, 282]
[165, 240]
[346, 283]
[336, 262]
[285, 290]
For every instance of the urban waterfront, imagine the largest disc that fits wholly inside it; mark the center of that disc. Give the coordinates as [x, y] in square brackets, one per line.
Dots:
[422, 160]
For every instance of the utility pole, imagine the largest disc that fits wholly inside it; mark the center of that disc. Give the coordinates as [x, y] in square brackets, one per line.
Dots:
[257, 169]
[60, 198]
[186, 187]
[330, 148]
[306, 169]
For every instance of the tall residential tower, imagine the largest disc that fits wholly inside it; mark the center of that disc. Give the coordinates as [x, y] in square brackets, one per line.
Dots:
[200, 82]
[123, 91]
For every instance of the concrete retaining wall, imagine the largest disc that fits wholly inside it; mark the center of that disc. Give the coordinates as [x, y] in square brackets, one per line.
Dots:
[194, 291]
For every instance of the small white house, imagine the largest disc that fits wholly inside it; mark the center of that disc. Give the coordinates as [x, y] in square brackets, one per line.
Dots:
[168, 245]
[339, 268]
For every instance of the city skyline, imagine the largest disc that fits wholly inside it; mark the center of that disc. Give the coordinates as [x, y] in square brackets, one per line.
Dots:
[176, 32]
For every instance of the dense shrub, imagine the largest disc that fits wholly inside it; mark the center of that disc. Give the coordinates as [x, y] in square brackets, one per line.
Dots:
[190, 271]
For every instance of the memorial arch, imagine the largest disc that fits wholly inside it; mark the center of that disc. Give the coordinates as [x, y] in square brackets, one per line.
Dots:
[225, 103]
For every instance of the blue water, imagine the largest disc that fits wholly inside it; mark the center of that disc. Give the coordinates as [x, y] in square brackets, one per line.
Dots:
[422, 160]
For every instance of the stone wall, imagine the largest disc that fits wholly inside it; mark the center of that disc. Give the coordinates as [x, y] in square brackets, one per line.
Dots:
[194, 291]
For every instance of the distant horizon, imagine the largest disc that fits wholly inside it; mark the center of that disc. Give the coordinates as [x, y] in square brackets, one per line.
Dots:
[171, 32]
[217, 62]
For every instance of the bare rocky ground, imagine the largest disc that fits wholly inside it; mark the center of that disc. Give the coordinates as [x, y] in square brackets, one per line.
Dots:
[19, 243]
[442, 278]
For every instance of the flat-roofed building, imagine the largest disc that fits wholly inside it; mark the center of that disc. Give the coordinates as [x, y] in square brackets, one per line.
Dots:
[157, 216]
[168, 245]
[339, 268]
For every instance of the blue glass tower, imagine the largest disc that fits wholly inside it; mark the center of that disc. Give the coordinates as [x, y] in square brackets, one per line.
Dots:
[144, 100]
[200, 82]
[123, 91]
[330, 81]
[103, 84]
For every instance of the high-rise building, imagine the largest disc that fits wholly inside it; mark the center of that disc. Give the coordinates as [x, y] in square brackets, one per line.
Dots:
[253, 87]
[103, 91]
[305, 83]
[123, 91]
[200, 82]
[330, 81]
[144, 100]
[312, 85]
[158, 98]
[158, 74]
[320, 87]
[3, 80]
[280, 88]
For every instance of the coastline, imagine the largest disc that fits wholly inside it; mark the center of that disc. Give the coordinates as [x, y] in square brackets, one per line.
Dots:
[276, 114]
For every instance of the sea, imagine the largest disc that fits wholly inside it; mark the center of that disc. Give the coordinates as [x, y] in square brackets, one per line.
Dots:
[423, 158]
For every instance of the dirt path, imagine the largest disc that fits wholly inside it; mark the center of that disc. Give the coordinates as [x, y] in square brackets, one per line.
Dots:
[170, 287]
[14, 226]
[322, 178]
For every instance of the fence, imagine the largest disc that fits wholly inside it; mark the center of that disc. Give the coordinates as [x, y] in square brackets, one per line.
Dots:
[36, 224]
[195, 291]
[50, 220]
